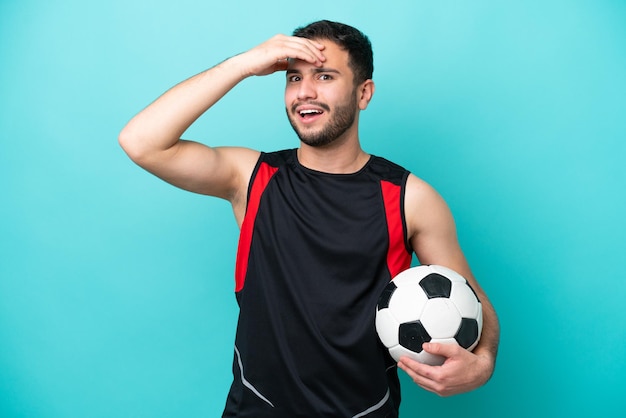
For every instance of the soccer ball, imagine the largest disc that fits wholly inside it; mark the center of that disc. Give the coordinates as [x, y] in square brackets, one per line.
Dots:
[428, 303]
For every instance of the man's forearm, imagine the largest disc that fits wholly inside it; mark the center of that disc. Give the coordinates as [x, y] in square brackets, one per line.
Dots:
[490, 337]
[160, 125]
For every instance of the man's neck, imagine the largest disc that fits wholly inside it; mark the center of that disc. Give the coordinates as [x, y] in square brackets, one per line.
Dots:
[345, 158]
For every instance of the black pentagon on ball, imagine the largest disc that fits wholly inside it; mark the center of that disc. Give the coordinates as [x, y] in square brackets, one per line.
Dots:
[467, 333]
[385, 296]
[436, 286]
[412, 335]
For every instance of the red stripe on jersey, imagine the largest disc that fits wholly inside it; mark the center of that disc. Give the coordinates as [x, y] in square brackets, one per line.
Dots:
[398, 257]
[260, 181]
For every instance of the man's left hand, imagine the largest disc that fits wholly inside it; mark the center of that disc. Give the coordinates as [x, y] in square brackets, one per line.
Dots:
[461, 372]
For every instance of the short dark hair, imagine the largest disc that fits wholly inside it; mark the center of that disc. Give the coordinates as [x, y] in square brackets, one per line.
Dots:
[352, 40]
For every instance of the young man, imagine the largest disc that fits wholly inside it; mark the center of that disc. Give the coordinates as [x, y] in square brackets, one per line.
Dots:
[324, 227]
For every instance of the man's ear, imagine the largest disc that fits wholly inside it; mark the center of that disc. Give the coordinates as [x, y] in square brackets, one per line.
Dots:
[365, 93]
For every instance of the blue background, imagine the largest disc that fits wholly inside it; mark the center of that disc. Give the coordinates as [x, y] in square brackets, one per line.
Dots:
[116, 289]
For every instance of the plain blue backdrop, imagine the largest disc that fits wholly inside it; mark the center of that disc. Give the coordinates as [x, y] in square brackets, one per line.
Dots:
[116, 289]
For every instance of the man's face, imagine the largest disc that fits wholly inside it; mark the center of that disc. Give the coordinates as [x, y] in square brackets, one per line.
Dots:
[321, 102]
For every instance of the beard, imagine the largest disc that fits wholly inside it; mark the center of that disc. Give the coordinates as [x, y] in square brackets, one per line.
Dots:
[341, 120]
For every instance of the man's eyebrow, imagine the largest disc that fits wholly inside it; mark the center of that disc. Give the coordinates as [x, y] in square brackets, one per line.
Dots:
[314, 70]
[325, 70]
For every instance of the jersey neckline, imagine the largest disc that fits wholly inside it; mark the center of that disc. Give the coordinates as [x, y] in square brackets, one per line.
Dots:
[297, 163]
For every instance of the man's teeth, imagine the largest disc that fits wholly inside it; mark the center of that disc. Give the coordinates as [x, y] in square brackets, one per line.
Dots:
[309, 112]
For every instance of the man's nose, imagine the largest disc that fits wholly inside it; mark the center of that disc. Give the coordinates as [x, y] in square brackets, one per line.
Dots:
[306, 89]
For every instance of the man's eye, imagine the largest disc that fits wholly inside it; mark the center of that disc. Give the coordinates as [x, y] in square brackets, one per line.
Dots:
[294, 78]
[325, 77]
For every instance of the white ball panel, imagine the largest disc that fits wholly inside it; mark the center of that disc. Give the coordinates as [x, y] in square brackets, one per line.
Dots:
[412, 275]
[407, 303]
[387, 328]
[423, 357]
[398, 351]
[464, 299]
[441, 318]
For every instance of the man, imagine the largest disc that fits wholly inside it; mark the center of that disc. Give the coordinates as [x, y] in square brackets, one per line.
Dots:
[323, 229]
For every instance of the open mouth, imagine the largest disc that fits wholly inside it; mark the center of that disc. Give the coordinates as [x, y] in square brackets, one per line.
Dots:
[309, 114]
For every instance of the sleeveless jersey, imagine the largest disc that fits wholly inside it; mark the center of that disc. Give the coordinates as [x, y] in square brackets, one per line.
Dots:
[315, 252]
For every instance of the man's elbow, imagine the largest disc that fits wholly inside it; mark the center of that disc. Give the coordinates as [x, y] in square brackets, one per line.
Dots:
[131, 145]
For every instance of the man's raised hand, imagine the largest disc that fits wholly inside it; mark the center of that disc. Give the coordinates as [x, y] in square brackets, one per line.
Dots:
[274, 54]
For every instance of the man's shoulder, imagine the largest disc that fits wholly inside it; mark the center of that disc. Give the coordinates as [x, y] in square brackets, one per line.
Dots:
[388, 170]
[278, 158]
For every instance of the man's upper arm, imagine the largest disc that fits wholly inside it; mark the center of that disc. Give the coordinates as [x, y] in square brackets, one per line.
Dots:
[432, 232]
[220, 171]
[431, 227]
